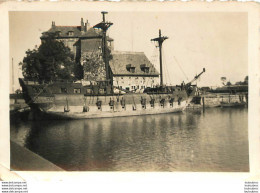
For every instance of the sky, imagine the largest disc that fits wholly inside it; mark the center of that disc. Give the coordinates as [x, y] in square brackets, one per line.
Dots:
[217, 41]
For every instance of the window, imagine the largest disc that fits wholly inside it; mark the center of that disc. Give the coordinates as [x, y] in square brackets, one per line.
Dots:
[152, 102]
[77, 90]
[58, 33]
[101, 91]
[144, 68]
[64, 90]
[89, 91]
[130, 68]
[70, 33]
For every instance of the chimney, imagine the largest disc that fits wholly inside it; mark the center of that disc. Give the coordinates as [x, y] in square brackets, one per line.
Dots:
[86, 26]
[52, 23]
[82, 25]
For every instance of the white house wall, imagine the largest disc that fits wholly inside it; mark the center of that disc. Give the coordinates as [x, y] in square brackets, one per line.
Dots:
[135, 82]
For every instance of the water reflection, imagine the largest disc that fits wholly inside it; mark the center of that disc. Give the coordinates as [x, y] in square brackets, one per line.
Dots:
[212, 141]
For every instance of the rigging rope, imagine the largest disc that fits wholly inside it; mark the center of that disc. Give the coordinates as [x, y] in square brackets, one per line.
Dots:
[166, 69]
[180, 68]
[154, 58]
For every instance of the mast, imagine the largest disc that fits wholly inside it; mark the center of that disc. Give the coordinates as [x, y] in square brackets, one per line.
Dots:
[104, 25]
[160, 40]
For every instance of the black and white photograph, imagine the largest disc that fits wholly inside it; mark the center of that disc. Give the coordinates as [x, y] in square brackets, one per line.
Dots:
[122, 88]
[129, 91]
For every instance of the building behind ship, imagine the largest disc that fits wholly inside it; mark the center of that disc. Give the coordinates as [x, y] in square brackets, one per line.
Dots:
[130, 70]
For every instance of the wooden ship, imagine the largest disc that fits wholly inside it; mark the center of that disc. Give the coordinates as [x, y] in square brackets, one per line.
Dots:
[58, 100]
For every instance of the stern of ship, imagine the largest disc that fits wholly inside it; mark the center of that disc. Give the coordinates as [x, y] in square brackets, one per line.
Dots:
[36, 97]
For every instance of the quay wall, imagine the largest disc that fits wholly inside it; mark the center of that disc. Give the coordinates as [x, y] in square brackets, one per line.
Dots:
[214, 100]
[22, 159]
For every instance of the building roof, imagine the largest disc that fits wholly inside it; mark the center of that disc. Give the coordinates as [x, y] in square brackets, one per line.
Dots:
[92, 33]
[122, 61]
[64, 32]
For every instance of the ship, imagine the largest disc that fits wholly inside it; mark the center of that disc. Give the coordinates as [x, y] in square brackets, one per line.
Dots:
[83, 100]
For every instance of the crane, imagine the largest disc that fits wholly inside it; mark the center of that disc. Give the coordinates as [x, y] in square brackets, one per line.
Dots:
[195, 78]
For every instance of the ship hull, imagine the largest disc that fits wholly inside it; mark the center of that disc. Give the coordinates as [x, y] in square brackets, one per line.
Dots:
[92, 115]
[50, 105]
[128, 111]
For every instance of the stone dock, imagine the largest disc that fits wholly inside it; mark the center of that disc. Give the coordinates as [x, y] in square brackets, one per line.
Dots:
[214, 100]
[211, 100]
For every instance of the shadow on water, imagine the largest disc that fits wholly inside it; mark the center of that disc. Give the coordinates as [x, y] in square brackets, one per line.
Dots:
[214, 140]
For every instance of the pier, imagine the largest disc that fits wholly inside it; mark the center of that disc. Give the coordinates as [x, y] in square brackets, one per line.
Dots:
[211, 100]
[214, 100]
[24, 159]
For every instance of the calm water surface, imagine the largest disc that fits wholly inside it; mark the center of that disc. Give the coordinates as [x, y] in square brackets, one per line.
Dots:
[216, 140]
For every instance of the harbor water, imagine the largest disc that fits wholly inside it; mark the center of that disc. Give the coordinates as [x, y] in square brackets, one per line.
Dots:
[214, 140]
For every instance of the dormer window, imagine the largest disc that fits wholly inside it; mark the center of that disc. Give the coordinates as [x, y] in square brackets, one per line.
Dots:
[58, 33]
[145, 68]
[130, 68]
[70, 33]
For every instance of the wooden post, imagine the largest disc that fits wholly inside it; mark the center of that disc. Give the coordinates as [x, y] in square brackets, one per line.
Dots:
[203, 104]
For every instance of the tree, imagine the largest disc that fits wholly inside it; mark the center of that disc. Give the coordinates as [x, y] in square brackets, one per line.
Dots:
[229, 83]
[239, 83]
[51, 61]
[246, 80]
[223, 79]
[94, 67]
